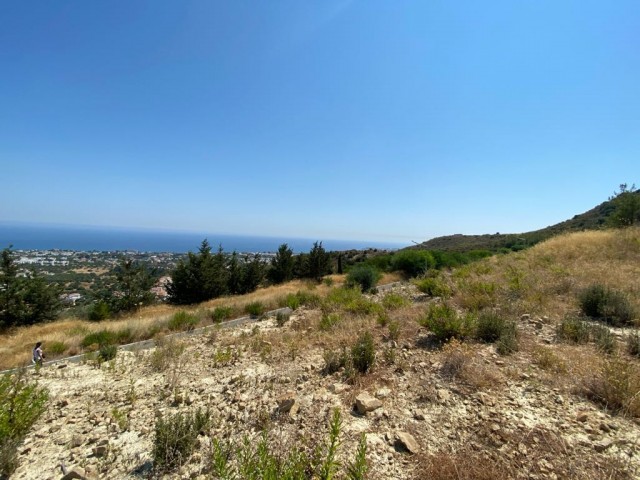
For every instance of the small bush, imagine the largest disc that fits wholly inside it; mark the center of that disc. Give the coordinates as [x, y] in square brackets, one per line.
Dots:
[260, 459]
[182, 321]
[633, 344]
[455, 357]
[176, 438]
[490, 327]
[167, 353]
[434, 287]
[394, 330]
[603, 338]
[393, 301]
[56, 347]
[412, 262]
[382, 319]
[365, 277]
[546, 359]
[445, 323]
[607, 305]
[221, 313]
[363, 353]
[328, 321]
[21, 404]
[292, 301]
[107, 352]
[101, 337]
[573, 330]
[351, 300]
[282, 318]
[334, 360]
[615, 386]
[255, 309]
[123, 336]
[99, 311]
[508, 341]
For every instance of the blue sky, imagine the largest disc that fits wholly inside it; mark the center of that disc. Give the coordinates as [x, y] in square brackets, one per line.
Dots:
[370, 120]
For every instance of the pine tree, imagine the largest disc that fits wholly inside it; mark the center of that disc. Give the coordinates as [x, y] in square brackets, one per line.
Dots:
[25, 300]
[318, 262]
[133, 284]
[282, 265]
[202, 276]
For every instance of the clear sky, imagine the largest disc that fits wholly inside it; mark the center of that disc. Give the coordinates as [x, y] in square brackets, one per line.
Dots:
[364, 119]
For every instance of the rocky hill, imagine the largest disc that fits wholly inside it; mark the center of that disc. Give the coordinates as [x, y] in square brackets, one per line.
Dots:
[545, 409]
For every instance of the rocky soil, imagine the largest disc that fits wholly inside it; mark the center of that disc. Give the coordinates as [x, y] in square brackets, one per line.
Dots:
[100, 423]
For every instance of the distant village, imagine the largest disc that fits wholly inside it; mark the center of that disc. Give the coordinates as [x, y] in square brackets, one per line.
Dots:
[82, 273]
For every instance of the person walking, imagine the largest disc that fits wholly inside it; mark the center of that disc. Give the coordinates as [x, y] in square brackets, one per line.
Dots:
[38, 354]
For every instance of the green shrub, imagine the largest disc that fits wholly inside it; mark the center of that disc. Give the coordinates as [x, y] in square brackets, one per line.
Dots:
[255, 309]
[508, 341]
[603, 338]
[282, 318]
[363, 353]
[124, 336]
[394, 330]
[334, 360]
[176, 438]
[99, 311]
[365, 277]
[182, 321]
[221, 313]
[393, 301]
[351, 300]
[328, 321]
[434, 287]
[282, 461]
[382, 319]
[490, 327]
[292, 301]
[607, 305]
[573, 330]
[56, 347]
[309, 299]
[21, 404]
[107, 352]
[445, 323]
[101, 337]
[412, 262]
[633, 344]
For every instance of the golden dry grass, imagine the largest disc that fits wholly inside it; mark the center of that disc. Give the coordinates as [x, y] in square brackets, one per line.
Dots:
[546, 279]
[16, 345]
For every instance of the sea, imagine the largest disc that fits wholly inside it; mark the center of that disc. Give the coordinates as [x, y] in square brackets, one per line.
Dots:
[109, 239]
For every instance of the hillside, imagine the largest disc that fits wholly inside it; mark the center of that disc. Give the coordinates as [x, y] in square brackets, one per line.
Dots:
[594, 219]
[544, 408]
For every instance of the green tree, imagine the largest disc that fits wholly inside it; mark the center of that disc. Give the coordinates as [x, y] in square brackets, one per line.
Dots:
[318, 262]
[25, 300]
[202, 276]
[412, 262]
[132, 287]
[282, 265]
[627, 206]
[235, 274]
[253, 273]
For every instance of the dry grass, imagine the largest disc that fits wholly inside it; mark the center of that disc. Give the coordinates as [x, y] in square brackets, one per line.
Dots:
[537, 451]
[546, 279]
[16, 345]
[462, 363]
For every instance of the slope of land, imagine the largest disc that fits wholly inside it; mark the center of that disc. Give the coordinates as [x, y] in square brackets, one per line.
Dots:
[458, 410]
[594, 219]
